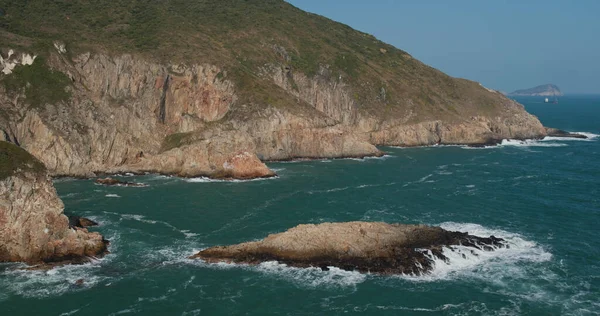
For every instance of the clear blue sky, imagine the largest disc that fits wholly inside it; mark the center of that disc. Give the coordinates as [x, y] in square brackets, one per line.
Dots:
[504, 44]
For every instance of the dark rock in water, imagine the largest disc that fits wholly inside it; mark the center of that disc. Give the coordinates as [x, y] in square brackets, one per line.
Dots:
[115, 182]
[554, 132]
[355, 246]
[81, 222]
[487, 143]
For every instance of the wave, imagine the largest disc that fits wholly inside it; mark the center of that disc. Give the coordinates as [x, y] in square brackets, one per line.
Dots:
[473, 263]
[590, 137]
[309, 277]
[51, 283]
[113, 195]
[528, 143]
[209, 180]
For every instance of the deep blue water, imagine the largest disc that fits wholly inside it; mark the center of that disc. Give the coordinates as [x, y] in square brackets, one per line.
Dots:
[541, 196]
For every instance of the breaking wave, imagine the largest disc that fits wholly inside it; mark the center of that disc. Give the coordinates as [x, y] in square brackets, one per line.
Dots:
[469, 262]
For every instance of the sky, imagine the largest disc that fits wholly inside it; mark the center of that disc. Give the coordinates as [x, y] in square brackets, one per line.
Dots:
[504, 44]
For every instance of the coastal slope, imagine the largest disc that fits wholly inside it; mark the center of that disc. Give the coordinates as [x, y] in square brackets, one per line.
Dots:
[33, 228]
[190, 88]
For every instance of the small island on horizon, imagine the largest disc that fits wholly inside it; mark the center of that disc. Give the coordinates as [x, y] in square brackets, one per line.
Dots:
[546, 90]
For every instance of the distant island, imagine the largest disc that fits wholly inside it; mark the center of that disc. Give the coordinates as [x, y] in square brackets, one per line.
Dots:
[543, 90]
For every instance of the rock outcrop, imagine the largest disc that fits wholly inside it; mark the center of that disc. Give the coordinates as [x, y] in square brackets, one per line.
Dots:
[33, 228]
[361, 246]
[554, 132]
[106, 105]
[81, 222]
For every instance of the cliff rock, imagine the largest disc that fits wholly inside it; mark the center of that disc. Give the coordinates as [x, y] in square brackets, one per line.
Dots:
[33, 228]
[186, 102]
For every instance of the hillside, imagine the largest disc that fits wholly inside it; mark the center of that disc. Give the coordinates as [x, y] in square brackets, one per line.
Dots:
[182, 87]
[543, 90]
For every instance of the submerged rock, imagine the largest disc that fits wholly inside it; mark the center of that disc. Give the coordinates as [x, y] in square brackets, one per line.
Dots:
[360, 246]
[554, 132]
[33, 228]
[81, 222]
[115, 182]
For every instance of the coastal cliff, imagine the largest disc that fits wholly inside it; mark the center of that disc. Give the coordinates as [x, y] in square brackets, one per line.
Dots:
[99, 100]
[33, 228]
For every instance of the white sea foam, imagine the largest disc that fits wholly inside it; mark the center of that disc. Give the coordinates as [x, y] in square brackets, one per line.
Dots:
[113, 196]
[469, 262]
[590, 137]
[529, 143]
[75, 311]
[424, 178]
[310, 277]
[209, 180]
[313, 277]
[54, 282]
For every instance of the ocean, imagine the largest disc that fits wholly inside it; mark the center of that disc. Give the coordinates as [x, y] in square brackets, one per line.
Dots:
[541, 196]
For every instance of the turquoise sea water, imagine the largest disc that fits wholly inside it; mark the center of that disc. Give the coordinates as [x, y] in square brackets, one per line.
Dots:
[541, 196]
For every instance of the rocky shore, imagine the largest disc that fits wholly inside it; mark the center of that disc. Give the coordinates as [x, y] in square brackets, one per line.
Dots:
[554, 132]
[357, 246]
[33, 228]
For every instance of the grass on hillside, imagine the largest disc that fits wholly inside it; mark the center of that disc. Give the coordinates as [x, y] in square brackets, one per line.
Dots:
[38, 83]
[242, 36]
[14, 159]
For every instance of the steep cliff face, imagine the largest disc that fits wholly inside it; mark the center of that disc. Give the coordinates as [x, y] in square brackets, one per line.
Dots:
[222, 86]
[33, 228]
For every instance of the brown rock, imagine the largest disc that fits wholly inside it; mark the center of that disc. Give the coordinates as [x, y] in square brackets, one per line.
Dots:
[366, 247]
[81, 222]
[33, 228]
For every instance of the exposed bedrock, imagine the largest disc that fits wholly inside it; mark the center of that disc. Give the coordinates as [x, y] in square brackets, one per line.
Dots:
[362, 246]
[33, 228]
[554, 132]
[129, 114]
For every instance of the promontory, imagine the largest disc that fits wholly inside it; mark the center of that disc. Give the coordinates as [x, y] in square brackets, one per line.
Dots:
[33, 228]
[216, 88]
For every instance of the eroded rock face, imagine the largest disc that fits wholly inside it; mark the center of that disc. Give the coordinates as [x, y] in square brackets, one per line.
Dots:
[361, 246]
[33, 228]
[123, 109]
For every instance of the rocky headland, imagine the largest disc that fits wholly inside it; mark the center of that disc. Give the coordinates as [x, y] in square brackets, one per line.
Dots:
[33, 228]
[356, 246]
[225, 94]
[554, 132]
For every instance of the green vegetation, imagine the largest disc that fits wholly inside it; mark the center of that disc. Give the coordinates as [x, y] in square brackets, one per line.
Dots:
[39, 83]
[242, 36]
[176, 140]
[14, 159]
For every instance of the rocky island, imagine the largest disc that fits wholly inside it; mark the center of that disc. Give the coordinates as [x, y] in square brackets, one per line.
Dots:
[237, 84]
[546, 90]
[356, 246]
[33, 228]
